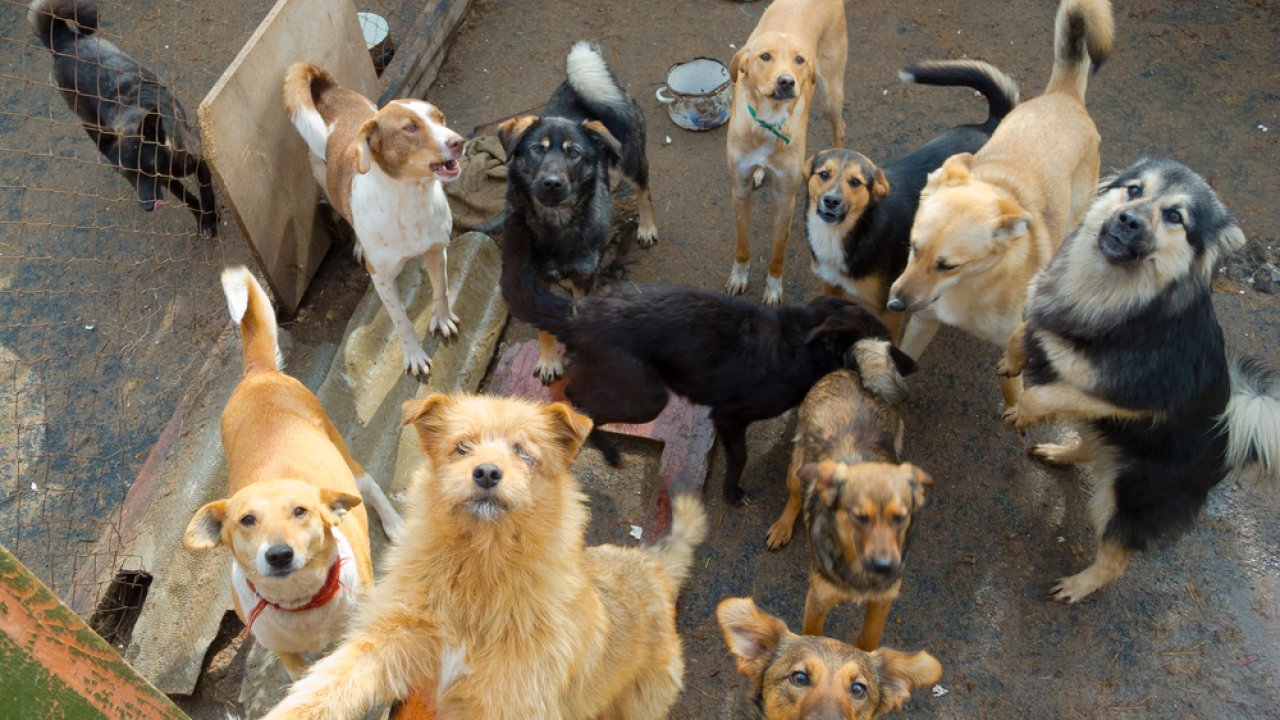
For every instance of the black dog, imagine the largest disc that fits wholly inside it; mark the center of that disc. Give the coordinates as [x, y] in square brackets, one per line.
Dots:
[859, 216]
[628, 343]
[558, 177]
[137, 124]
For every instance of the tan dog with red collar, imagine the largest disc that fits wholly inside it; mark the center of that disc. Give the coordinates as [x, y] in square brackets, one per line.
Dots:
[797, 46]
[298, 534]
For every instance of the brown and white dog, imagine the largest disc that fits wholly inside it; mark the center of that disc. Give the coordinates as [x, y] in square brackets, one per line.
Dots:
[382, 170]
[797, 46]
[988, 221]
[298, 534]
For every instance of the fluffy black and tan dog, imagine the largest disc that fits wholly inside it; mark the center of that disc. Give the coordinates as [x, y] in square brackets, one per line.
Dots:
[1121, 339]
[136, 122]
[558, 166]
[627, 344]
[859, 215]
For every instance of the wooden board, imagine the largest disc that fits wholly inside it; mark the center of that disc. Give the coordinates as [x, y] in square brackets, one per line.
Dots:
[422, 49]
[258, 160]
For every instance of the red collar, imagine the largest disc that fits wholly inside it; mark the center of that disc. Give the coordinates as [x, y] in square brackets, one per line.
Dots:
[327, 592]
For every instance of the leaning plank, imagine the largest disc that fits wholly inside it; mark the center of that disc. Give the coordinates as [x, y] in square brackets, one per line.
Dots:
[53, 666]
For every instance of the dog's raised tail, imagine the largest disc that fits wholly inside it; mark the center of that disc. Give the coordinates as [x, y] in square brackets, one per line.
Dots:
[1252, 420]
[527, 297]
[1000, 90]
[594, 81]
[688, 530]
[56, 22]
[1082, 37]
[251, 309]
[303, 82]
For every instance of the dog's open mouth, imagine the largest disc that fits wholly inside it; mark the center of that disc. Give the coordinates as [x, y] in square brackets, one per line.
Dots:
[831, 217]
[448, 170]
[1117, 252]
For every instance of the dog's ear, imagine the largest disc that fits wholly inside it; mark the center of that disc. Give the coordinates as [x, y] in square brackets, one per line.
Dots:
[597, 128]
[808, 166]
[512, 129]
[751, 635]
[880, 185]
[570, 427]
[822, 476]
[1012, 222]
[368, 141]
[425, 416]
[735, 63]
[900, 673]
[904, 362]
[205, 529]
[338, 502]
[954, 171]
[918, 480]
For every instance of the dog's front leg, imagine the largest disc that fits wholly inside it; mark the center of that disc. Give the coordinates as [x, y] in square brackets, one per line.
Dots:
[1015, 353]
[416, 360]
[783, 212]
[1060, 401]
[733, 435]
[738, 275]
[443, 321]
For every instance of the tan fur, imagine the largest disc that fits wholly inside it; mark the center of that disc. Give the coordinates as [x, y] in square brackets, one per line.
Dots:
[796, 677]
[814, 30]
[493, 605]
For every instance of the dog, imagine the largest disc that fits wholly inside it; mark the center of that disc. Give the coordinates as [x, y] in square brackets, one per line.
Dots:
[1121, 340]
[802, 677]
[383, 172]
[797, 47]
[492, 603]
[558, 191]
[628, 344]
[858, 220]
[136, 122]
[860, 500]
[988, 221]
[294, 522]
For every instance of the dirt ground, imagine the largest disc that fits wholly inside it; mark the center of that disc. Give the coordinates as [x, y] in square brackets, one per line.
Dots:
[1191, 630]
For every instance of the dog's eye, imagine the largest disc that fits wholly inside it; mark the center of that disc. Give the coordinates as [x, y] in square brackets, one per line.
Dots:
[522, 453]
[411, 128]
[1173, 217]
[248, 521]
[799, 59]
[899, 519]
[766, 56]
[1133, 191]
[462, 448]
[861, 518]
[799, 678]
[299, 511]
[573, 153]
[945, 266]
[825, 175]
[858, 690]
[855, 182]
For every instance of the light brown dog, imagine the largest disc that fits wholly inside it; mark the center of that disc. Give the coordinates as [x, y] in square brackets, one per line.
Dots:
[492, 604]
[988, 221]
[298, 535]
[859, 499]
[798, 46]
[802, 677]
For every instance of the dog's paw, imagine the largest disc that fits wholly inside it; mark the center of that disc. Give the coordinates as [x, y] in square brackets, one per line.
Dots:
[392, 527]
[1058, 454]
[772, 291]
[735, 495]
[417, 363]
[208, 225]
[737, 279]
[1006, 368]
[548, 371]
[1016, 419]
[1071, 590]
[779, 534]
[757, 178]
[647, 237]
[444, 325]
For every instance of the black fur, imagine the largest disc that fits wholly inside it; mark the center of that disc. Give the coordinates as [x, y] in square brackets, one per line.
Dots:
[136, 122]
[628, 344]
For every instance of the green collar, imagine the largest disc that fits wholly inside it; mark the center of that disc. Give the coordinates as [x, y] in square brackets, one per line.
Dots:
[771, 127]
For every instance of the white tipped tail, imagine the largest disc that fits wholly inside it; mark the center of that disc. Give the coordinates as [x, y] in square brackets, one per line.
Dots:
[688, 530]
[302, 109]
[1252, 420]
[590, 77]
[251, 309]
[878, 371]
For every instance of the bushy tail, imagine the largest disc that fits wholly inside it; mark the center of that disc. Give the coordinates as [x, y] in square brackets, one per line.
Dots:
[1082, 36]
[688, 530]
[53, 21]
[882, 368]
[251, 310]
[1252, 419]
[302, 82]
[596, 85]
[1000, 89]
[527, 297]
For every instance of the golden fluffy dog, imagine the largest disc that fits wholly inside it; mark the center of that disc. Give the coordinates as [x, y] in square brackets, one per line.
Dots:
[492, 604]
[988, 221]
[802, 677]
[798, 46]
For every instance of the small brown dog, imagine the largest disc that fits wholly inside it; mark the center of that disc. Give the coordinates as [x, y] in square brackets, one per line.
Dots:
[801, 677]
[858, 501]
[492, 604]
[797, 47]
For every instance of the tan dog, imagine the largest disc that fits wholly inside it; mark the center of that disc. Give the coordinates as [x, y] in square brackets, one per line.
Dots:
[987, 222]
[802, 677]
[298, 535]
[493, 604]
[797, 46]
[383, 172]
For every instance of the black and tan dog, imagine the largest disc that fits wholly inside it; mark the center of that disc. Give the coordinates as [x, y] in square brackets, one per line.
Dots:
[859, 215]
[136, 122]
[802, 677]
[859, 499]
[1121, 339]
[629, 344]
[558, 193]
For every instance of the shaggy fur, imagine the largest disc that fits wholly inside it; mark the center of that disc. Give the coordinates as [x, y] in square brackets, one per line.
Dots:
[492, 605]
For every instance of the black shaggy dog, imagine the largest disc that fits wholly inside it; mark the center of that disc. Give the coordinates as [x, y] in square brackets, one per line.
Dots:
[1121, 338]
[137, 124]
[626, 344]
[558, 195]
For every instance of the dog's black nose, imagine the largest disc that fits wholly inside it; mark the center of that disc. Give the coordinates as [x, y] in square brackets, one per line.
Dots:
[831, 202]
[552, 183]
[895, 304]
[882, 565]
[786, 82]
[486, 476]
[280, 556]
[1128, 225]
